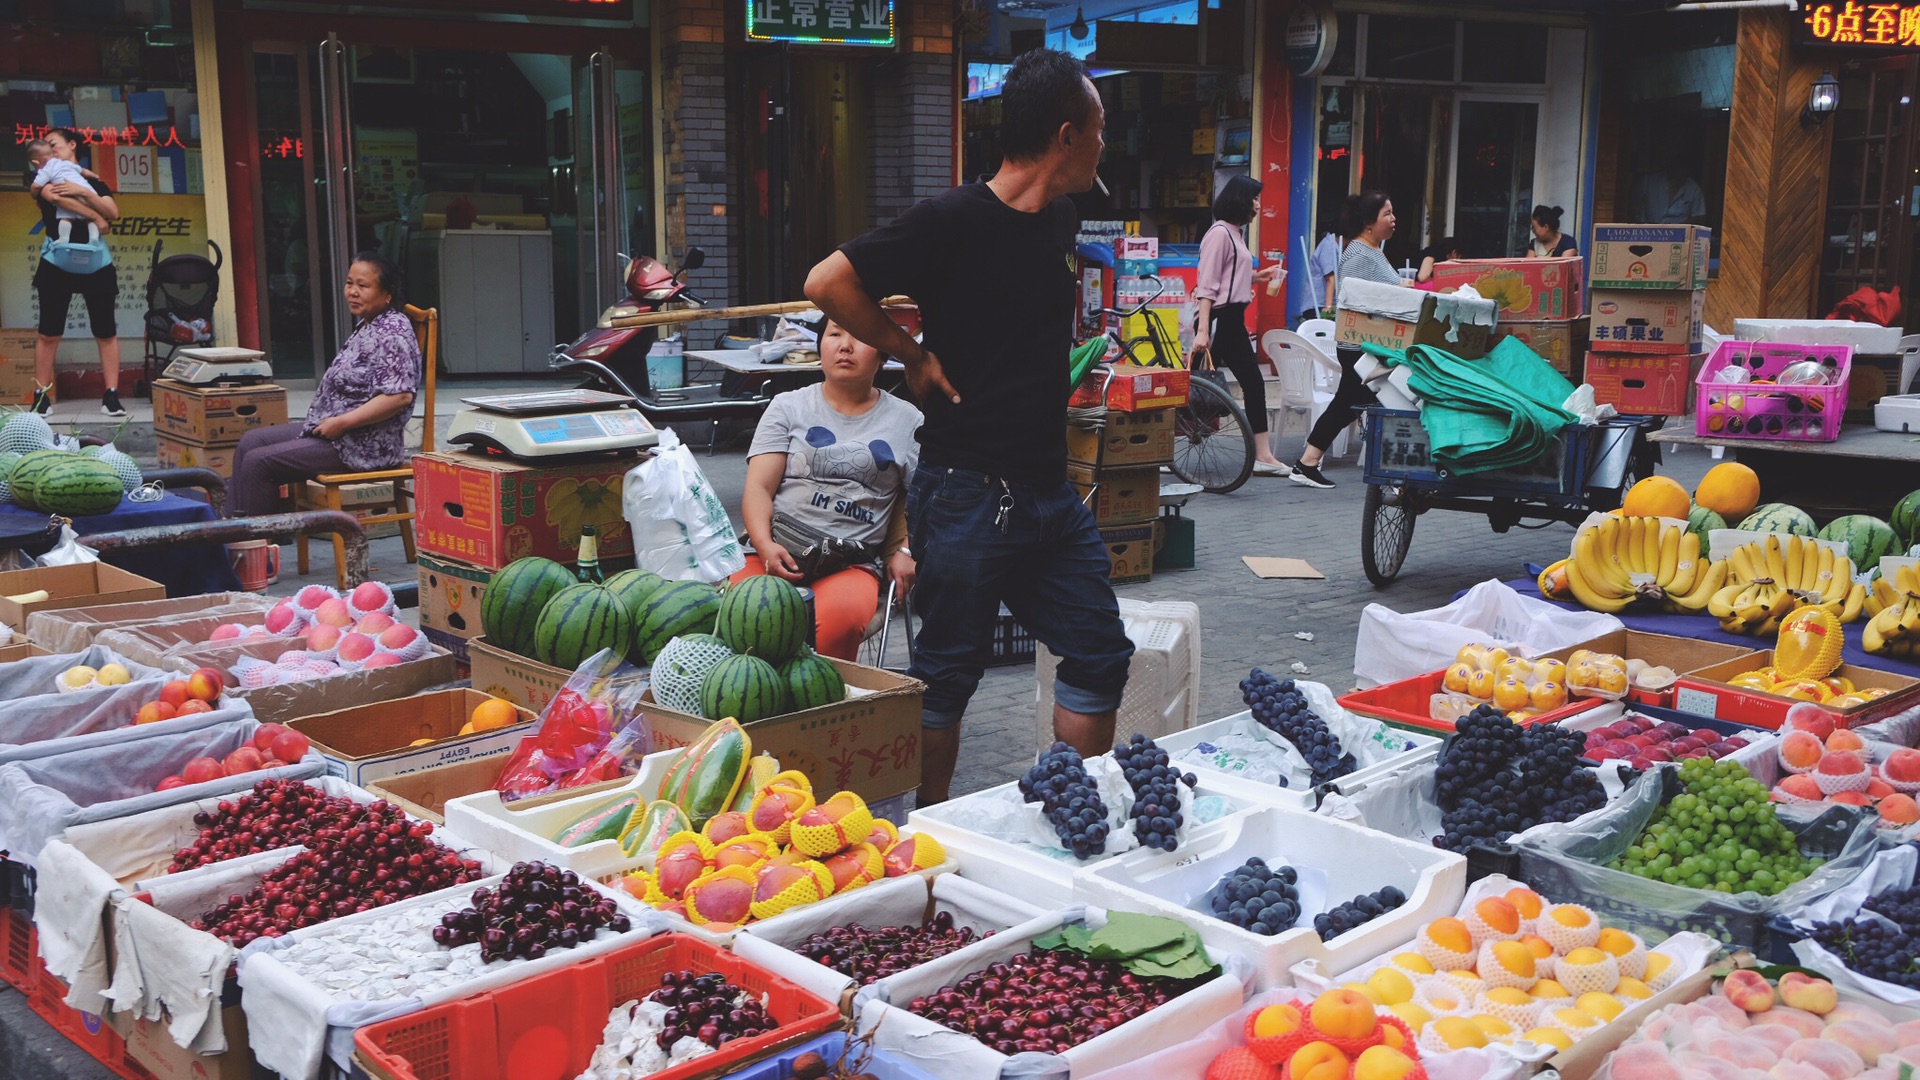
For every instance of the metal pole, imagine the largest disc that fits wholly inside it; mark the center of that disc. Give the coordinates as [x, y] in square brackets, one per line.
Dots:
[233, 530]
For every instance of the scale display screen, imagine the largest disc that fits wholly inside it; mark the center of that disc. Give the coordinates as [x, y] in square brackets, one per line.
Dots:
[549, 430]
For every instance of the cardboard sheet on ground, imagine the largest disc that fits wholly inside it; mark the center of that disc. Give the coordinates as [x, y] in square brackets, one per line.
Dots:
[1268, 567]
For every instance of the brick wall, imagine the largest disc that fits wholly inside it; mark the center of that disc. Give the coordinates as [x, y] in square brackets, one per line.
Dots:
[913, 113]
[694, 89]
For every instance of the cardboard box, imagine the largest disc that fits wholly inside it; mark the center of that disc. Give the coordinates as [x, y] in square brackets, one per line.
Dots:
[1130, 551]
[215, 415]
[83, 585]
[1528, 290]
[1356, 328]
[425, 794]
[520, 679]
[450, 595]
[1128, 438]
[1560, 343]
[1131, 388]
[1872, 377]
[1118, 496]
[487, 512]
[1705, 692]
[73, 629]
[17, 382]
[290, 702]
[354, 496]
[180, 454]
[1650, 256]
[1644, 384]
[1683, 655]
[373, 742]
[149, 1044]
[1649, 322]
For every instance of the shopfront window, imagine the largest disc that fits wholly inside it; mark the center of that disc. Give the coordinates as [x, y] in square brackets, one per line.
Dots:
[1403, 47]
[1677, 72]
[1497, 52]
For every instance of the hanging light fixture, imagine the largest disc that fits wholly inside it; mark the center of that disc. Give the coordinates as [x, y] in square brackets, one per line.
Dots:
[1822, 100]
[1079, 29]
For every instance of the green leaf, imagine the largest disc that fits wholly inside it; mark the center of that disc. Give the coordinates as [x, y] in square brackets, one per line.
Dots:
[1077, 937]
[1192, 967]
[1129, 934]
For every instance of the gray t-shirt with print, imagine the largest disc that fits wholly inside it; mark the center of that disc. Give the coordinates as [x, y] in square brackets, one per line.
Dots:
[843, 472]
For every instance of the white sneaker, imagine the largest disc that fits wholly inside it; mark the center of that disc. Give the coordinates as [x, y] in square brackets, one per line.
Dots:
[1264, 468]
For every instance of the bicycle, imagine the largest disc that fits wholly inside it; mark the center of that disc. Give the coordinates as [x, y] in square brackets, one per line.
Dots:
[1213, 443]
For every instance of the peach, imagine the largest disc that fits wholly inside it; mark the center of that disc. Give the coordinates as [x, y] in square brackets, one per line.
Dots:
[1743, 1052]
[1858, 1012]
[1749, 990]
[321, 637]
[1837, 1061]
[175, 693]
[1899, 809]
[1812, 721]
[1513, 956]
[1851, 798]
[1801, 750]
[1805, 1023]
[1698, 1066]
[1644, 1061]
[1318, 1061]
[1842, 739]
[1413, 1015]
[228, 632]
[192, 706]
[1801, 786]
[1604, 1006]
[333, 612]
[264, 735]
[206, 684]
[1907, 1033]
[1863, 1038]
[1903, 767]
[379, 660]
[355, 648]
[155, 711]
[1343, 1014]
[1617, 942]
[289, 746]
[1795, 1070]
[1802, 991]
[169, 784]
[373, 623]
[245, 759]
[1775, 1037]
[1274, 1021]
[1458, 1033]
[1878, 789]
[1382, 1063]
[1412, 961]
[202, 769]
[1841, 763]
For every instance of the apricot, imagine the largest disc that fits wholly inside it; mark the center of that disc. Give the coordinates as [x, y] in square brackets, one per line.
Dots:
[1801, 750]
[1525, 901]
[1458, 1033]
[1837, 1061]
[1559, 1040]
[1862, 1038]
[1390, 987]
[1275, 1021]
[1550, 988]
[1381, 1063]
[1412, 961]
[1604, 1006]
[1512, 958]
[1414, 1016]
[1617, 942]
[1318, 1061]
[1499, 916]
[1749, 990]
[1540, 947]
[1450, 934]
[1493, 1026]
[1570, 915]
[1803, 991]
[1342, 1014]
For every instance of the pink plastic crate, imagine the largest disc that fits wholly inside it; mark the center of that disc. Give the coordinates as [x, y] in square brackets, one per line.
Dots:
[1757, 410]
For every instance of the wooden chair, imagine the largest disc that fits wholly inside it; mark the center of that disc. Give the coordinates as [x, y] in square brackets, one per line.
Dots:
[426, 328]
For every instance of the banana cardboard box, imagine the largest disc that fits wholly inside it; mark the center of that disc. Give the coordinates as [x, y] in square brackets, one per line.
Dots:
[1527, 290]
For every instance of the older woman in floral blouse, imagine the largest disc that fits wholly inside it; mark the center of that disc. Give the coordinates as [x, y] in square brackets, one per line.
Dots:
[358, 419]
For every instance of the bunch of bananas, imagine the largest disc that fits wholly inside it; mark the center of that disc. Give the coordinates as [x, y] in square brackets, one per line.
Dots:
[1768, 579]
[1624, 559]
[1893, 628]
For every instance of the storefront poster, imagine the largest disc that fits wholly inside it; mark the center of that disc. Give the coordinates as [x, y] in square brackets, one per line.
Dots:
[177, 222]
[386, 167]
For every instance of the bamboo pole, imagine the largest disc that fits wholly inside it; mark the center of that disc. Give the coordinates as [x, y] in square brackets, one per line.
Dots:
[748, 311]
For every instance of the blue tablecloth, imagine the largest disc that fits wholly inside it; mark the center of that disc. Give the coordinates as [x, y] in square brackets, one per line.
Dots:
[1707, 628]
[186, 569]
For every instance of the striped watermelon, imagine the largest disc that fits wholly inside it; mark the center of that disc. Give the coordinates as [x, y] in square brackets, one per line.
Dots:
[578, 622]
[635, 588]
[763, 616]
[682, 607]
[812, 681]
[744, 688]
[78, 486]
[1867, 538]
[1701, 521]
[1780, 518]
[28, 472]
[8, 459]
[1905, 520]
[515, 598]
[23, 433]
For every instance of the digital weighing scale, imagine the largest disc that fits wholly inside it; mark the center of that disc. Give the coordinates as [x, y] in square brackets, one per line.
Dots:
[205, 366]
[558, 423]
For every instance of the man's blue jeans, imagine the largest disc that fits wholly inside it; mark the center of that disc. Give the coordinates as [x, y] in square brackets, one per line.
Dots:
[1046, 564]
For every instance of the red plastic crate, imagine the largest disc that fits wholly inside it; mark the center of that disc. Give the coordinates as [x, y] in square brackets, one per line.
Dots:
[547, 1027]
[85, 1030]
[1406, 704]
[19, 950]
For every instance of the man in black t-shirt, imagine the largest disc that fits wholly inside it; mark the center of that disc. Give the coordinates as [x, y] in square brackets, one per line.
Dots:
[991, 517]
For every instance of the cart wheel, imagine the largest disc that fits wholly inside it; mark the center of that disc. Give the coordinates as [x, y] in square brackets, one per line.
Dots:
[1212, 444]
[1386, 531]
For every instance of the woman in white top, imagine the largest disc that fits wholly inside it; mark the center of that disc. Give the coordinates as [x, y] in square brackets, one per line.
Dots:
[1370, 222]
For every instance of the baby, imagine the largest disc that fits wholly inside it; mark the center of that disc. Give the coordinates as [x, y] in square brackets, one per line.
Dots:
[67, 208]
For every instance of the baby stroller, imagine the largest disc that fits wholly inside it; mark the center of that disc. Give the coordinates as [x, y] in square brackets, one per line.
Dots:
[181, 290]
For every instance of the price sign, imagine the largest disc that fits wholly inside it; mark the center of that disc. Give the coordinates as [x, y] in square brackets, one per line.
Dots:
[133, 168]
[822, 22]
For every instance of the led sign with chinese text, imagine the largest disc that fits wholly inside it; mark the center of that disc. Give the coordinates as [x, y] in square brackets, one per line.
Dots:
[821, 22]
[1862, 22]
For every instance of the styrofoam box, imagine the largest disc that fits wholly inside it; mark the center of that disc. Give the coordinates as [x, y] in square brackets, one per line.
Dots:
[1024, 870]
[1899, 413]
[951, 1055]
[1864, 337]
[1335, 861]
[1760, 743]
[522, 835]
[1161, 678]
[1258, 792]
[902, 901]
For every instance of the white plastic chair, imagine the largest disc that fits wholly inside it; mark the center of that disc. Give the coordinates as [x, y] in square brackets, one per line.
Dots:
[1297, 364]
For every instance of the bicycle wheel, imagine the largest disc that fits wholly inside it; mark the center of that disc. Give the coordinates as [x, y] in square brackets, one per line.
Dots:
[1212, 445]
[1386, 531]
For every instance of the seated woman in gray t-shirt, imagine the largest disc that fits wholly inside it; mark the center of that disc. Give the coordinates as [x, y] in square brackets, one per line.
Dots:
[833, 460]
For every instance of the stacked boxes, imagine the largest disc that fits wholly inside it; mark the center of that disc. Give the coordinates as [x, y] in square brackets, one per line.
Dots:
[1649, 311]
[1115, 466]
[1542, 302]
[201, 425]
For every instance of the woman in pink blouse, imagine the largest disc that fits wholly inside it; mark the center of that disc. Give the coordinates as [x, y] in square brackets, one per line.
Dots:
[1225, 289]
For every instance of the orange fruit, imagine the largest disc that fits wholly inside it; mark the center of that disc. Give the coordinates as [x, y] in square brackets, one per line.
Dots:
[494, 713]
[1511, 694]
[1729, 489]
[1657, 496]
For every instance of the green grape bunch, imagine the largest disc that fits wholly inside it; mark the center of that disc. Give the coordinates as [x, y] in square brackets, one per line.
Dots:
[1719, 834]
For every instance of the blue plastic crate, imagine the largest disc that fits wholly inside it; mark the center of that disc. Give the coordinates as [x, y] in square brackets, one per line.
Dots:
[779, 1067]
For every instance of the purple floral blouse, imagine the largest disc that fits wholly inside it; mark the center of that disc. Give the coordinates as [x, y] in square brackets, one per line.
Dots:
[380, 357]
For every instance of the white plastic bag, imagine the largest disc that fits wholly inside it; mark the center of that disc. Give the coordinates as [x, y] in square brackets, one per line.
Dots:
[69, 551]
[680, 527]
[1394, 646]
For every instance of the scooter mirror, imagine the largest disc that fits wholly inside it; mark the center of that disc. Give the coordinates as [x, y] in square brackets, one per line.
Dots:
[695, 258]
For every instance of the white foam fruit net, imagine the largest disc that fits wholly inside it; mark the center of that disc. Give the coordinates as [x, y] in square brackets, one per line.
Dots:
[680, 669]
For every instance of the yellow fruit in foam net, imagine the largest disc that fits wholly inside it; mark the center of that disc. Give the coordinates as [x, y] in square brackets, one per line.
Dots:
[1382, 1063]
[1633, 989]
[1414, 962]
[1509, 995]
[1493, 1026]
[1413, 1015]
[1604, 1006]
[1390, 987]
[1458, 1032]
[1549, 1037]
[1363, 990]
[1549, 988]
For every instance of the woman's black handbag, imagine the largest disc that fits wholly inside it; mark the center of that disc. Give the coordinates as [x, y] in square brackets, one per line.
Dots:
[817, 554]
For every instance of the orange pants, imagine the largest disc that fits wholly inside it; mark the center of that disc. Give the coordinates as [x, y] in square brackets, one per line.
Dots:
[843, 605]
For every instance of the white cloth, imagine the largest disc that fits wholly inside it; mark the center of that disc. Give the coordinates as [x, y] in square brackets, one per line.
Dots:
[71, 901]
[166, 970]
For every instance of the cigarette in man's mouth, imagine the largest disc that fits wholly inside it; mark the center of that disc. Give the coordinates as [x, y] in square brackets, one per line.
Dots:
[1101, 184]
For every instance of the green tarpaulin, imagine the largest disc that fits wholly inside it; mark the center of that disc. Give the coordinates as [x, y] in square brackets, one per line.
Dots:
[1496, 413]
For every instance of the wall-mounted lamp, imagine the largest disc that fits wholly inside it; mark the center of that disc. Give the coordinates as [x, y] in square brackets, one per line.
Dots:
[1822, 100]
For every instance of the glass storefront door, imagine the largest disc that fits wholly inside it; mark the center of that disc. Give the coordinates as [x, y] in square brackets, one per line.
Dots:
[1493, 169]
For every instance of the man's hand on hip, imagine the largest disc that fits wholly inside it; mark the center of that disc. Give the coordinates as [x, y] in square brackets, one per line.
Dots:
[926, 377]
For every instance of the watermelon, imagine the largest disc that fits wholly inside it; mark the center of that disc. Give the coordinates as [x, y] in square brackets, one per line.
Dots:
[1867, 538]
[681, 607]
[1701, 521]
[514, 599]
[578, 622]
[743, 688]
[1905, 519]
[634, 588]
[125, 467]
[812, 681]
[763, 616]
[7, 461]
[1780, 518]
[24, 433]
[28, 472]
[78, 487]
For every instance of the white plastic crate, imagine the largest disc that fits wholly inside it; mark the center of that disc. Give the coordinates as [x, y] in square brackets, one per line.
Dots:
[950, 1055]
[523, 835]
[1424, 749]
[1162, 678]
[1335, 861]
[1040, 875]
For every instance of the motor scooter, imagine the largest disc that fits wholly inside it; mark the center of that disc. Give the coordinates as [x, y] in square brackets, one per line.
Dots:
[613, 355]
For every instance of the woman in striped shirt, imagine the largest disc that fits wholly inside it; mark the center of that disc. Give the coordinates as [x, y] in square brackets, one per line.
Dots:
[1370, 222]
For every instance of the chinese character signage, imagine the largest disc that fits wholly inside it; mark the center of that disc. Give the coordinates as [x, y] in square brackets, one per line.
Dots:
[1861, 23]
[177, 222]
[822, 22]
